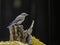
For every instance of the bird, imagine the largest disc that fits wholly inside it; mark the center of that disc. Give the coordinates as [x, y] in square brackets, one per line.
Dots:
[18, 20]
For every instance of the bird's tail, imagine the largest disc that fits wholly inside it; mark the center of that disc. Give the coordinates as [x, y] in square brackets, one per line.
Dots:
[10, 25]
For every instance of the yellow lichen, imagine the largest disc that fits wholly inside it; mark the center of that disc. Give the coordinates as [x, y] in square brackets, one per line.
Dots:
[34, 40]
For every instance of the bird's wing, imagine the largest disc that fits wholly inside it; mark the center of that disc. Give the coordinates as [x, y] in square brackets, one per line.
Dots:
[19, 18]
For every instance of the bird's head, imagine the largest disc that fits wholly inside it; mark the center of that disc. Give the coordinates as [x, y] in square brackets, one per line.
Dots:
[24, 14]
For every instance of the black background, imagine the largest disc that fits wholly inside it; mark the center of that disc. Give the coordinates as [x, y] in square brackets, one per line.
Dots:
[42, 11]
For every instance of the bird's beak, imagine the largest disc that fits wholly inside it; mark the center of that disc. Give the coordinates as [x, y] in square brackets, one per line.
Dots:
[26, 14]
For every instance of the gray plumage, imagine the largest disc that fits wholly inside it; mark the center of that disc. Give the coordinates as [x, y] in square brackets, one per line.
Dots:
[19, 19]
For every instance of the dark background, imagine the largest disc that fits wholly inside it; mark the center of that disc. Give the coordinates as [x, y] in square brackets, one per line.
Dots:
[42, 11]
